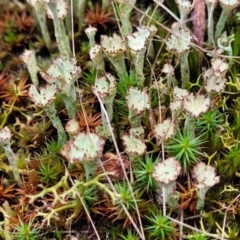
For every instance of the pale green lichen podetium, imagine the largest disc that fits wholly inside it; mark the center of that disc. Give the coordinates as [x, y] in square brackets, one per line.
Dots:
[194, 106]
[184, 7]
[135, 148]
[179, 43]
[45, 100]
[225, 43]
[91, 32]
[29, 59]
[166, 174]
[211, 4]
[168, 69]
[96, 55]
[5, 137]
[72, 128]
[137, 43]
[64, 73]
[227, 7]
[114, 48]
[40, 13]
[70, 73]
[106, 88]
[125, 8]
[204, 178]
[137, 102]
[56, 122]
[85, 148]
[57, 10]
[215, 79]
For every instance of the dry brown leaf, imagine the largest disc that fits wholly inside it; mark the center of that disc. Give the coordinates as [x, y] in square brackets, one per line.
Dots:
[199, 21]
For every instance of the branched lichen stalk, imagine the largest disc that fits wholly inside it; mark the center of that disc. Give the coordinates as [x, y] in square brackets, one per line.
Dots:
[13, 162]
[7, 223]
[75, 204]
[52, 114]
[61, 184]
[70, 193]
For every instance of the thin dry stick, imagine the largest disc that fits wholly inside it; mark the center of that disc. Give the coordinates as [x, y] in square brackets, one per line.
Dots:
[84, 206]
[163, 188]
[159, 3]
[116, 17]
[119, 156]
[181, 226]
[225, 215]
[123, 206]
[154, 10]
[159, 104]
[74, 55]
[140, 233]
[195, 229]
